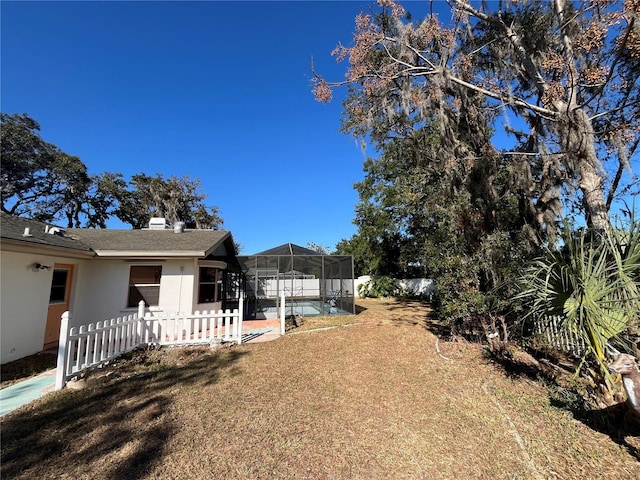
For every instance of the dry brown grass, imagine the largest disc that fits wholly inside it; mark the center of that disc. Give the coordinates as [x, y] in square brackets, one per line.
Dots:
[13, 372]
[372, 400]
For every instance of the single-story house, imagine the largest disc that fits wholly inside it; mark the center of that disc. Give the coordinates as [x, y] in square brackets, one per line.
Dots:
[99, 274]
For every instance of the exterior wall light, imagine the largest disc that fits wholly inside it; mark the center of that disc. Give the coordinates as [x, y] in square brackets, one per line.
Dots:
[36, 267]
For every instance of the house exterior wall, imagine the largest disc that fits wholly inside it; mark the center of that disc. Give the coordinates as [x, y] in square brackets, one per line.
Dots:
[178, 291]
[24, 301]
[103, 292]
[106, 289]
[99, 292]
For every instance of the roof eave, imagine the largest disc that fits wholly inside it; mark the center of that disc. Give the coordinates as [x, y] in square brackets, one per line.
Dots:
[148, 254]
[226, 238]
[17, 246]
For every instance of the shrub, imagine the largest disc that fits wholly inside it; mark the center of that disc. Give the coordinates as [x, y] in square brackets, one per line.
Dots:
[379, 287]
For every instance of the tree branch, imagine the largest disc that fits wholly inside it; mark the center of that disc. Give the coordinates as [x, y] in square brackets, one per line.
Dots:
[545, 112]
[617, 178]
[613, 110]
[515, 40]
[569, 57]
[613, 66]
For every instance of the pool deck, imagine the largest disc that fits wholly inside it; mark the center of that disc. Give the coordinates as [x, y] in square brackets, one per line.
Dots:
[254, 331]
[31, 389]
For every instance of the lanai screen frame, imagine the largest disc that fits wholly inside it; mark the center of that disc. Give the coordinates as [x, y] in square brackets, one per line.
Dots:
[267, 275]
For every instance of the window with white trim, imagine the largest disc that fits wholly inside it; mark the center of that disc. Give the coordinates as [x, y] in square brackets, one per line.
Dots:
[210, 285]
[144, 284]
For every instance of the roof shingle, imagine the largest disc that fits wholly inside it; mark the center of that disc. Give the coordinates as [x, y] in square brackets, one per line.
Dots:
[150, 242]
[13, 228]
[111, 242]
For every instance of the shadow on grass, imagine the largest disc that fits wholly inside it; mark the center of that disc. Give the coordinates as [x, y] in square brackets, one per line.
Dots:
[22, 368]
[549, 371]
[122, 424]
[360, 309]
[411, 312]
[613, 421]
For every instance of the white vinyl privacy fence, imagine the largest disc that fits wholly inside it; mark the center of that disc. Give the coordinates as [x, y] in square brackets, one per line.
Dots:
[90, 345]
[421, 287]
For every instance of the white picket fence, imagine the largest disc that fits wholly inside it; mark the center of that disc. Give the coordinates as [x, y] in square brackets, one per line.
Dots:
[90, 345]
[561, 338]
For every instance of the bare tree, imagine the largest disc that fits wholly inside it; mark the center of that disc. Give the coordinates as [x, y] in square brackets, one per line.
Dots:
[562, 74]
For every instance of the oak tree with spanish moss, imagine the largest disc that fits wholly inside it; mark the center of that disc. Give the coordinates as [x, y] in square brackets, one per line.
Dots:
[563, 74]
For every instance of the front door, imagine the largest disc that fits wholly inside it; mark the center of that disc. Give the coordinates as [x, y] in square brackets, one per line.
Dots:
[58, 303]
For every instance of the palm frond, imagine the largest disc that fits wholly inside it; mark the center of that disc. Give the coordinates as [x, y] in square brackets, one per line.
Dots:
[591, 284]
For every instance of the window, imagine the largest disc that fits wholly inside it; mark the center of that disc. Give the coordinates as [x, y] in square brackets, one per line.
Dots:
[58, 286]
[210, 287]
[144, 284]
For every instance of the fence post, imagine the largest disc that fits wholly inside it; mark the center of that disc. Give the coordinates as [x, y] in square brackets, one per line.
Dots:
[240, 316]
[63, 345]
[142, 324]
[282, 313]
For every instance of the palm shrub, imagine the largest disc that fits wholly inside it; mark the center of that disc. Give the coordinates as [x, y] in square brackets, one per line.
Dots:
[591, 285]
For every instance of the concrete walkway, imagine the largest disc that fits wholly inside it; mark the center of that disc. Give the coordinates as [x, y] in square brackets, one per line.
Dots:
[26, 391]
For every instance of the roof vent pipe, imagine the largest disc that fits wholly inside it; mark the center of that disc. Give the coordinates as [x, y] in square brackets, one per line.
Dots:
[27, 232]
[178, 227]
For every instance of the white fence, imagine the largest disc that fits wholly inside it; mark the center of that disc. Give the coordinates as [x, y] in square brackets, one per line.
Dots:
[272, 287]
[421, 287]
[91, 345]
[550, 329]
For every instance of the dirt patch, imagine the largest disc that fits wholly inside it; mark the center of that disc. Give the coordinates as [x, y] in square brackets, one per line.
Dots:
[374, 400]
[13, 372]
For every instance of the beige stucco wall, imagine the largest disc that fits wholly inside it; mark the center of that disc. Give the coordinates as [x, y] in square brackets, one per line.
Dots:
[24, 301]
[104, 292]
[107, 288]
[99, 292]
[177, 286]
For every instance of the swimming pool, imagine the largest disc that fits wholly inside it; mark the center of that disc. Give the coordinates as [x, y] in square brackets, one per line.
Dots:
[310, 308]
[268, 309]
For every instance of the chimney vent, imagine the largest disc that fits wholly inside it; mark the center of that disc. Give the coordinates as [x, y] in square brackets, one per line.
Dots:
[158, 223]
[178, 227]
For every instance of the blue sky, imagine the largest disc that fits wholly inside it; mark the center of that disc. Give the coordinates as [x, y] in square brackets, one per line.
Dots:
[214, 90]
[218, 91]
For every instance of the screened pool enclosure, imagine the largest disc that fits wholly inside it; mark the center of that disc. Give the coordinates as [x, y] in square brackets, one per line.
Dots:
[313, 284]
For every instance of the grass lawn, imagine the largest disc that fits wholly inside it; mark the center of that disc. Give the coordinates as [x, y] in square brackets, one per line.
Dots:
[374, 400]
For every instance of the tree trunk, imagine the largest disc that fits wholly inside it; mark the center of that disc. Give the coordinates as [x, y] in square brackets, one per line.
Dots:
[595, 207]
[578, 139]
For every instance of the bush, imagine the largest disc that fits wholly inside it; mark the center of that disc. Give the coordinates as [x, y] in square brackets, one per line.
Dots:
[407, 293]
[379, 287]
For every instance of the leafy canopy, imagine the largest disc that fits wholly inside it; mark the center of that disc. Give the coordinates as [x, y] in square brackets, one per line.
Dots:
[561, 76]
[39, 181]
